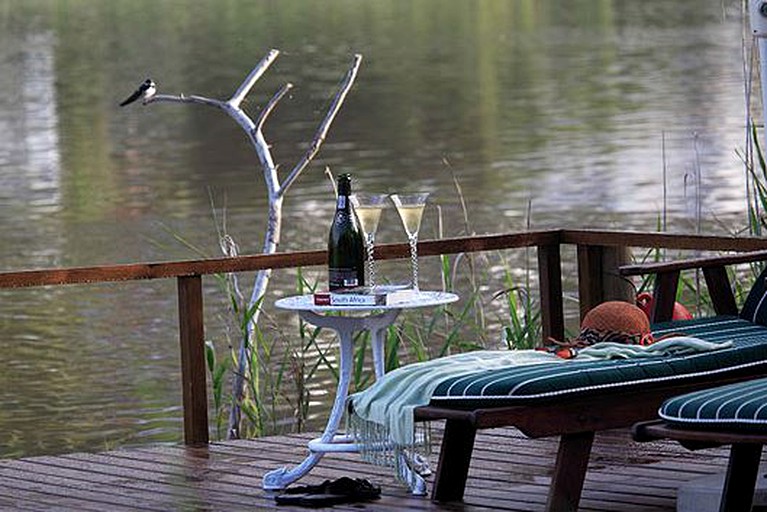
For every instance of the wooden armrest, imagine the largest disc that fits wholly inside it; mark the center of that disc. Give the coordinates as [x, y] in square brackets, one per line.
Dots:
[714, 271]
[702, 263]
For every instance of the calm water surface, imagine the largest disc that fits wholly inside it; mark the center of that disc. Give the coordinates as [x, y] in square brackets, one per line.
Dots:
[573, 107]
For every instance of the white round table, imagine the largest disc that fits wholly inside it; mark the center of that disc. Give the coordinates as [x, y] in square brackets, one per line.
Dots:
[374, 319]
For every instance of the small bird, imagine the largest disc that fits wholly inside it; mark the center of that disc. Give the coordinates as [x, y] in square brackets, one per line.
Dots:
[146, 90]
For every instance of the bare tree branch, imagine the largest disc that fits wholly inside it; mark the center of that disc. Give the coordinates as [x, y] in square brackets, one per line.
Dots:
[323, 129]
[181, 98]
[252, 78]
[270, 106]
[275, 192]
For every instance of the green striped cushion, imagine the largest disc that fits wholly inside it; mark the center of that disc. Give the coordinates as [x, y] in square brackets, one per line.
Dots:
[755, 307]
[514, 385]
[741, 404]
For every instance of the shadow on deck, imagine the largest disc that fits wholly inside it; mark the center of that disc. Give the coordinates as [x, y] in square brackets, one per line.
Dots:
[508, 472]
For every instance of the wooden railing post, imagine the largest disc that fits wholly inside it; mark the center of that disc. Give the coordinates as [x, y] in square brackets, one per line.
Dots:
[598, 277]
[589, 277]
[192, 339]
[550, 277]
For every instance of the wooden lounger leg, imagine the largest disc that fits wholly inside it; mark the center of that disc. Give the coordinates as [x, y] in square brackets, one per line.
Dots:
[569, 472]
[742, 471]
[454, 459]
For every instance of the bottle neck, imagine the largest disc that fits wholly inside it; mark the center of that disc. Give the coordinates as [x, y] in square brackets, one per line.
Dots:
[342, 203]
[344, 191]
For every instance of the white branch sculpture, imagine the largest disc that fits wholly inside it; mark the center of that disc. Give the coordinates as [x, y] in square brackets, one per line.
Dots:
[276, 189]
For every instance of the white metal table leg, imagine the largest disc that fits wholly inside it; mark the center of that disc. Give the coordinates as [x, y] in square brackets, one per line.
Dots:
[329, 441]
[414, 480]
[377, 326]
[282, 477]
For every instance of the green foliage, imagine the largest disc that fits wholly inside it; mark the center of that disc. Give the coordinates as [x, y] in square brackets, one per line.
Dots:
[523, 331]
[758, 204]
[217, 373]
[264, 375]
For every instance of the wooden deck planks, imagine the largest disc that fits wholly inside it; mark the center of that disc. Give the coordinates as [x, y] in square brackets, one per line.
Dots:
[508, 473]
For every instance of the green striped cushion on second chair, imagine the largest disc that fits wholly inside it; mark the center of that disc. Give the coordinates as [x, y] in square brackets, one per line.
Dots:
[523, 384]
[741, 404]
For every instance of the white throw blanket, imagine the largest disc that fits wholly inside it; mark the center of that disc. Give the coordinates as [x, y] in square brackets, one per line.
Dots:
[381, 417]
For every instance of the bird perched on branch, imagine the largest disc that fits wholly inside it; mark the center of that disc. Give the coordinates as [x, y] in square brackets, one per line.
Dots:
[146, 90]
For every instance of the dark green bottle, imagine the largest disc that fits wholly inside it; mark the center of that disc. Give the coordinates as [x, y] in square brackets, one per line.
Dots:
[346, 248]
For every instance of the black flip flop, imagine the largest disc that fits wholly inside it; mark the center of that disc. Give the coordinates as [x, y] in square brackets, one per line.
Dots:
[328, 493]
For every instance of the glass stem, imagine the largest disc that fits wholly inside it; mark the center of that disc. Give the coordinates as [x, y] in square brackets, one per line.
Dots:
[414, 259]
[370, 240]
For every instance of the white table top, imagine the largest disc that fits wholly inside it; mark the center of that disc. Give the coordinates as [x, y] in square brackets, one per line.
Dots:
[420, 300]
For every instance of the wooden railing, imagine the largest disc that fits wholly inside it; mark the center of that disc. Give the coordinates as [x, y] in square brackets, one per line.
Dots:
[598, 253]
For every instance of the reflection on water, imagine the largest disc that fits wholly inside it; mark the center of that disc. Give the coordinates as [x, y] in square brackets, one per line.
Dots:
[575, 106]
[29, 145]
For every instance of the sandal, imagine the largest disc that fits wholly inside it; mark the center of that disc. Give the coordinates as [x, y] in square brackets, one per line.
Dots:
[335, 492]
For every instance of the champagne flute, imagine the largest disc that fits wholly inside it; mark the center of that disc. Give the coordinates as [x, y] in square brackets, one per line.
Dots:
[368, 208]
[410, 208]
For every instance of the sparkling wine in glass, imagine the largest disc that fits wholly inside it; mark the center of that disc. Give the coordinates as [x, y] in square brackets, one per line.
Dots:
[368, 208]
[410, 208]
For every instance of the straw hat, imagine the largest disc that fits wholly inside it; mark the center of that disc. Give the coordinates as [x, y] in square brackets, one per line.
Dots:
[613, 321]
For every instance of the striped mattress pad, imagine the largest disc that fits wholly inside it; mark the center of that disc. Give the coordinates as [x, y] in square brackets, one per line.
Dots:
[743, 404]
[516, 385]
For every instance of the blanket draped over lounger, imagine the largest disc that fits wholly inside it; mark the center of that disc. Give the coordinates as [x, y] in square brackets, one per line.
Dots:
[381, 418]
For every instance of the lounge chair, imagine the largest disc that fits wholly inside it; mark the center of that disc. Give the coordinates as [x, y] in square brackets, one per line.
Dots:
[577, 399]
[736, 415]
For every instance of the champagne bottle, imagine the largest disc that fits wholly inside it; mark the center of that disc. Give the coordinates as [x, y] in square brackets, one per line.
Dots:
[346, 248]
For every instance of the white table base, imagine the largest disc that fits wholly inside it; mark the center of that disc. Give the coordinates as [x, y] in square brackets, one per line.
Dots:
[330, 441]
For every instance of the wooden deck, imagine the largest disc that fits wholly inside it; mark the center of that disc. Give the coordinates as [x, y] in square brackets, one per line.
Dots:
[508, 472]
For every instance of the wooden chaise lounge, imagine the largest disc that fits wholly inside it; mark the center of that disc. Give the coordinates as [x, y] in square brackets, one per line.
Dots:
[736, 415]
[577, 399]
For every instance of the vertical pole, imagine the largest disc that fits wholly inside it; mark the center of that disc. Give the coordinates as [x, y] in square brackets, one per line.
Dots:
[589, 277]
[616, 287]
[192, 340]
[758, 15]
[763, 72]
[550, 278]
[598, 277]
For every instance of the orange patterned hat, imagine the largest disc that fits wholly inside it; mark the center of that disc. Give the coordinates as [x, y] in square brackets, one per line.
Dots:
[614, 321]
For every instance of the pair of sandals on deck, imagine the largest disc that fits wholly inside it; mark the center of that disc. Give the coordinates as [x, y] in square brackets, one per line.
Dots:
[330, 492]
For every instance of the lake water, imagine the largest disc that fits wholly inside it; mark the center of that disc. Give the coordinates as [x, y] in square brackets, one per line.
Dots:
[580, 109]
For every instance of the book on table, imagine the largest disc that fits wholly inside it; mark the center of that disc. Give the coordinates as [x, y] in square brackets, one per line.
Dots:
[365, 296]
